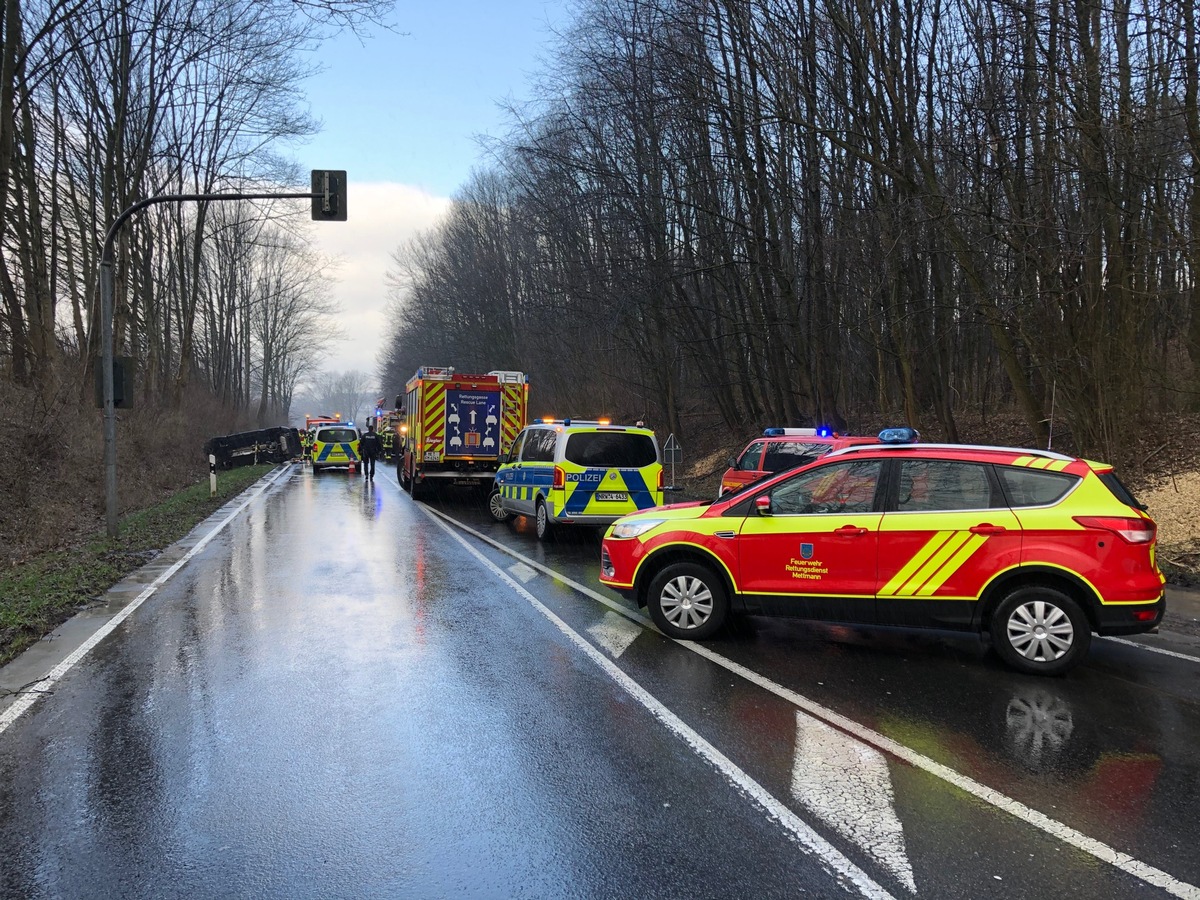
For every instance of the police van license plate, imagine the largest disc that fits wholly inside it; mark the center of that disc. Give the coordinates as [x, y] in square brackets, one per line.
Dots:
[611, 496]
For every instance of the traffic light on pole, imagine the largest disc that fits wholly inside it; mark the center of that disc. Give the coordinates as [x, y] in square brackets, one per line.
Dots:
[328, 195]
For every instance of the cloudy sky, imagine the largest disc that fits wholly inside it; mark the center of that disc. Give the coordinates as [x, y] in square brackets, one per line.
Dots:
[401, 115]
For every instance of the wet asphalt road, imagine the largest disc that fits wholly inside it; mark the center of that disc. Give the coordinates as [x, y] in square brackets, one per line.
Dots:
[344, 696]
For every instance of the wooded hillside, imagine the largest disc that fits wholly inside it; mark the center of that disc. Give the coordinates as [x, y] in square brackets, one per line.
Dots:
[836, 210]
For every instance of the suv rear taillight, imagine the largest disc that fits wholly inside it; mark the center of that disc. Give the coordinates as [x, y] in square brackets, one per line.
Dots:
[1133, 531]
[560, 480]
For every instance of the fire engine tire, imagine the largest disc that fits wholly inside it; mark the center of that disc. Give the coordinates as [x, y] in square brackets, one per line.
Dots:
[542, 523]
[1040, 630]
[496, 506]
[416, 489]
[402, 475]
[688, 601]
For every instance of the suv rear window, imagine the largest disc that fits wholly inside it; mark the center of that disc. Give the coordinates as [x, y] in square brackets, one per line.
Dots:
[610, 449]
[1033, 487]
[1122, 493]
[337, 435]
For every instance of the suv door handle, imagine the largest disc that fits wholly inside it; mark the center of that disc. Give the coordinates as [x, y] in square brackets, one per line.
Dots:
[850, 530]
[987, 528]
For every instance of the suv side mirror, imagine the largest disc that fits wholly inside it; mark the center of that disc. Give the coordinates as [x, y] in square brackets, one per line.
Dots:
[732, 462]
[763, 504]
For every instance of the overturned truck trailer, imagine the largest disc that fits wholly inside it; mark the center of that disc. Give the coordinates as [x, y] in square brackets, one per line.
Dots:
[248, 448]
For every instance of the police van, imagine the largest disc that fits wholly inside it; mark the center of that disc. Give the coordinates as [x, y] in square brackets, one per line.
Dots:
[335, 445]
[578, 473]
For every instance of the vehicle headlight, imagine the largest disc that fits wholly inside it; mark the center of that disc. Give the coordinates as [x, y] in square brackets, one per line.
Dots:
[636, 528]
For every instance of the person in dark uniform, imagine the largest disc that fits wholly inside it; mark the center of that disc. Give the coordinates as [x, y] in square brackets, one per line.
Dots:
[368, 446]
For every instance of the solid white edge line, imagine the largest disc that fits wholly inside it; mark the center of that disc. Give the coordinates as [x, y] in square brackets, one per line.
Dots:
[1030, 816]
[841, 865]
[25, 701]
[1147, 647]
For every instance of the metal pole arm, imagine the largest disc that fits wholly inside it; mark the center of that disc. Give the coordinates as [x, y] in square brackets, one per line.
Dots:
[111, 237]
[106, 329]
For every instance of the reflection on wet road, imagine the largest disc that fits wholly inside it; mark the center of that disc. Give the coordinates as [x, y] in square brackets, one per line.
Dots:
[344, 695]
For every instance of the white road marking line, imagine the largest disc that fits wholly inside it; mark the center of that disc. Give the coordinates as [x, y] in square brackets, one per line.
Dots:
[1065, 833]
[848, 785]
[546, 570]
[24, 701]
[615, 633]
[1128, 643]
[839, 865]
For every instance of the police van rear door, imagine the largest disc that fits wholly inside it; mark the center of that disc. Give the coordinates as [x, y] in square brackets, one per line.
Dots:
[615, 471]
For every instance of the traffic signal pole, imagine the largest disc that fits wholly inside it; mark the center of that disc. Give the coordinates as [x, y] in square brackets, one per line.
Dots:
[328, 187]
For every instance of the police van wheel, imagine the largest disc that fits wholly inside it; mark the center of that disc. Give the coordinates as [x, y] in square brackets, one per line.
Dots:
[542, 522]
[496, 507]
[1040, 630]
[688, 601]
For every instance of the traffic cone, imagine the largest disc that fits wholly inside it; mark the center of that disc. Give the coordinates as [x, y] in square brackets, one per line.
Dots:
[352, 472]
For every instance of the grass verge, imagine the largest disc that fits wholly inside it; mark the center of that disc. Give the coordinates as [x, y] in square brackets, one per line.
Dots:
[39, 594]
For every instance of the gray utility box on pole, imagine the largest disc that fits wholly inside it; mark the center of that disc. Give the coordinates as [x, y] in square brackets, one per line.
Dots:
[122, 373]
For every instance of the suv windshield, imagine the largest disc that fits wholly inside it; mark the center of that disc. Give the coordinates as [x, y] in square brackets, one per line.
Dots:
[337, 435]
[611, 449]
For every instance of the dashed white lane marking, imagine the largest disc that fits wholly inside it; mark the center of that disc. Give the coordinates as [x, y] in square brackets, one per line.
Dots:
[848, 786]
[1095, 848]
[23, 702]
[615, 633]
[838, 864]
[1128, 643]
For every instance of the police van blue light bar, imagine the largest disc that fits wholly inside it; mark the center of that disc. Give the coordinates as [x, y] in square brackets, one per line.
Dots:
[899, 436]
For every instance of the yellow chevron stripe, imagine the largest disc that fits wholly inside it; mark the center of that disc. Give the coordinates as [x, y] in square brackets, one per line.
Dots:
[1022, 460]
[1040, 463]
[953, 564]
[435, 411]
[916, 562]
[927, 571]
[1058, 465]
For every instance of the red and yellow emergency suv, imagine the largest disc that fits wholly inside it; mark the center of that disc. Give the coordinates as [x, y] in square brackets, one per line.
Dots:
[459, 426]
[1033, 547]
[780, 449]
